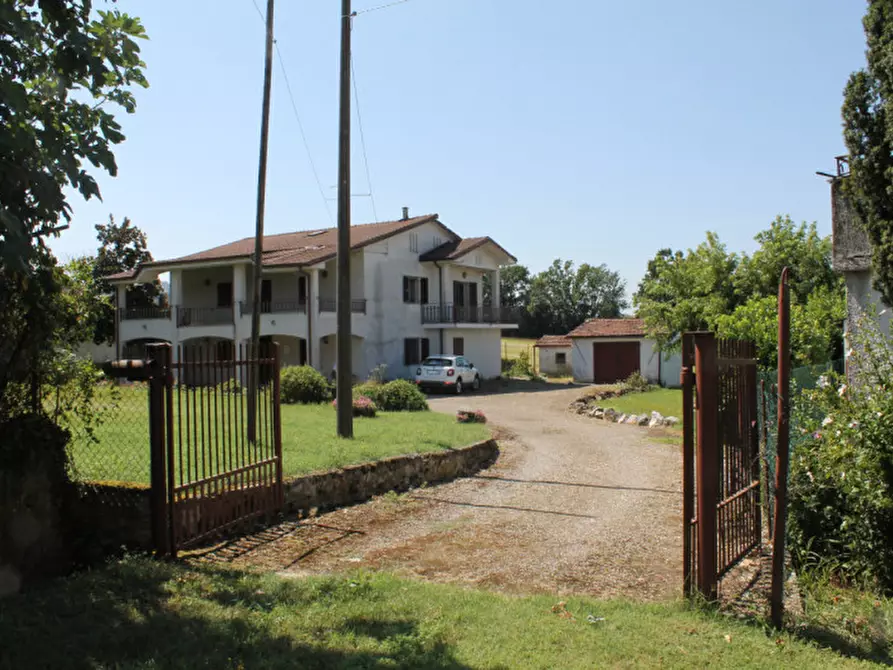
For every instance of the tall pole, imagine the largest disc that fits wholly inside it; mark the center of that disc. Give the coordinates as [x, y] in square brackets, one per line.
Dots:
[344, 364]
[254, 352]
[782, 443]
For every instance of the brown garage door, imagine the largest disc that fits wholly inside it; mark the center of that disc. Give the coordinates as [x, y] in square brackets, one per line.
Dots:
[614, 361]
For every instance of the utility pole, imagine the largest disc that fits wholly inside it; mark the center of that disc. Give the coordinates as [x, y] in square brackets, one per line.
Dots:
[344, 363]
[254, 353]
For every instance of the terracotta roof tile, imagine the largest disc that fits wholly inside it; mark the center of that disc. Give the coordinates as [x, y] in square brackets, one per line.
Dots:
[610, 328]
[553, 341]
[126, 274]
[458, 248]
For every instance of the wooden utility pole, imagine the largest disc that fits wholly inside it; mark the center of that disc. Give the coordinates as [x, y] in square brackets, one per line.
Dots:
[254, 352]
[344, 363]
[782, 444]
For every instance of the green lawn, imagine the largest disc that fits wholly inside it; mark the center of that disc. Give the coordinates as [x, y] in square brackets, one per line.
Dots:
[120, 452]
[513, 346]
[139, 613]
[666, 401]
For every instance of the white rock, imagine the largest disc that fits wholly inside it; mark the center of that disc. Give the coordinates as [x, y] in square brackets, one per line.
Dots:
[644, 420]
[671, 421]
[622, 418]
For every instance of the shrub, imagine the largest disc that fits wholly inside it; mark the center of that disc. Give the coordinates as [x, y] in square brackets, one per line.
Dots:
[401, 395]
[467, 416]
[231, 385]
[521, 366]
[362, 406]
[841, 481]
[303, 384]
[378, 374]
[370, 390]
[635, 383]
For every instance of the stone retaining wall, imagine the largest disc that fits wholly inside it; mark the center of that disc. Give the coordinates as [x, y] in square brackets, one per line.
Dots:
[118, 516]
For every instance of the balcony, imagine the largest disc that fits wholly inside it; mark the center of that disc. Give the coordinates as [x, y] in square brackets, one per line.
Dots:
[357, 305]
[143, 313]
[483, 314]
[287, 307]
[204, 316]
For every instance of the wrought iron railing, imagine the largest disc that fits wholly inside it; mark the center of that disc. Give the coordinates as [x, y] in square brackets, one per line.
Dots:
[281, 307]
[357, 305]
[140, 313]
[489, 314]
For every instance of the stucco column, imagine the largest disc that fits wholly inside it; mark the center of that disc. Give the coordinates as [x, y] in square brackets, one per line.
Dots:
[497, 299]
[174, 298]
[313, 319]
[240, 295]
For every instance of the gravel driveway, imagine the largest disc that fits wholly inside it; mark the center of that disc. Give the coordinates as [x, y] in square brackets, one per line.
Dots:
[573, 505]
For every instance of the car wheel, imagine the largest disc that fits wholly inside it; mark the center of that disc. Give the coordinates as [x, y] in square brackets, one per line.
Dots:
[477, 384]
[458, 387]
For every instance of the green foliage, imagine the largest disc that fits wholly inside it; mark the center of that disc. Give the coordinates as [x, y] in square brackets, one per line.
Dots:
[378, 374]
[867, 110]
[121, 248]
[400, 395]
[362, 406]
[520, 367]
[841, 486]
[231, 385]
[735, 295]
[562, 296]
[304, 384]
[635, 383]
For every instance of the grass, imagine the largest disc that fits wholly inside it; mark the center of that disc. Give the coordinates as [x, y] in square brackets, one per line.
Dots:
[666, 401]
[138, 613]
[120, 452]
[513, 346]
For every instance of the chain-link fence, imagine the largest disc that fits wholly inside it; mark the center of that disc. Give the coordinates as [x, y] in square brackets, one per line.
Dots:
[802, 379]
[108, 452]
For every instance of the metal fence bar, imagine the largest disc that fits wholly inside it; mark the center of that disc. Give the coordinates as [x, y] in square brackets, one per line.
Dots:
[705, 364]
[688, 480]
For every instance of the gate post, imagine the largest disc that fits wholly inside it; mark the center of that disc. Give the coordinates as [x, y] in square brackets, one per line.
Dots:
[707, 461]
[688, 458]
[277, 427]
[157, 452]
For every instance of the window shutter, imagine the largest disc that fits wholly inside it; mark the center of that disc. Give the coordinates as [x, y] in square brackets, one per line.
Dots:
[426, 348]
[406, 295]
[408, 346]
[424, 290]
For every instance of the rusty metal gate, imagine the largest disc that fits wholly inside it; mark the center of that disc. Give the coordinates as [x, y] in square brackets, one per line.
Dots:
[214, 466]
[721, 465]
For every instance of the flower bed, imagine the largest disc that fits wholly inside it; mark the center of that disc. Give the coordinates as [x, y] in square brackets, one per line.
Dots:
[470, 416]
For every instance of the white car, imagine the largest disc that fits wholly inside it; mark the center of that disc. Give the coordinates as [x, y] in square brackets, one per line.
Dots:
[454, 373]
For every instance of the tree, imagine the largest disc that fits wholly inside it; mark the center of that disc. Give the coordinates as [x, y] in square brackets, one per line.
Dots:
[562, 297]
[514, 286]
[686, 291]
[121, 248]
[59, 70]
[867, 114]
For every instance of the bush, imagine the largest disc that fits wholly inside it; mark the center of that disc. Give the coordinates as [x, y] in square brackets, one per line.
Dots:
[303, 384]
[635, 383]
[378, 374]
[362, 406]
[370, 390]
[401, 395]
[521, 366]
[841, 481]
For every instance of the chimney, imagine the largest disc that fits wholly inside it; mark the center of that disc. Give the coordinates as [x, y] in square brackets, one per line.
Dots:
[405, 213]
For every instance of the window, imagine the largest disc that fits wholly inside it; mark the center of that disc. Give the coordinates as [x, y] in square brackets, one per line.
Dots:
[414, 242]
[561, 358]
[225, 294]
[415, 350]
[458, 346]
[415, 290]
[266, 291]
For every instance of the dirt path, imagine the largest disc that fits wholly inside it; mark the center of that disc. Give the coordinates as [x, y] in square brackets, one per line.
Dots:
[573, 505]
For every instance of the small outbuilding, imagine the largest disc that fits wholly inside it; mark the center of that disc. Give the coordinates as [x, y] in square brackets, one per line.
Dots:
[554, 353]
[604, 351]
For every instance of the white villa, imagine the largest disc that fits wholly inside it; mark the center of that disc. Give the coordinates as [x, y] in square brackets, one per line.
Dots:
[417, 288]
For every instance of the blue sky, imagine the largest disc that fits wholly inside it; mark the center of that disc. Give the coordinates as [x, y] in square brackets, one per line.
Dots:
[582, 129]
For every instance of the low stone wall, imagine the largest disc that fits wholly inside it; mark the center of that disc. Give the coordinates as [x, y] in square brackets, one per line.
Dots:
[358, 483]
[113, 517]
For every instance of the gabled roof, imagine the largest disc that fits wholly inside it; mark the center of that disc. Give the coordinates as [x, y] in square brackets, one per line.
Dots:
[556, 341]
[610, 328]
[307, 247]
[458, 248]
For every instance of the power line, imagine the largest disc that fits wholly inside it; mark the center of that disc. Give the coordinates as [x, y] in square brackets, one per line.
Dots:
[375, 9]
[294, 107]
[356, 97]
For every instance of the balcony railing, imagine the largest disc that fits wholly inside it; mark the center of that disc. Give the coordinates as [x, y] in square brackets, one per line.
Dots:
[204, 316]
[357, 305]
[475, 314]
[287, 307]
[141, 313]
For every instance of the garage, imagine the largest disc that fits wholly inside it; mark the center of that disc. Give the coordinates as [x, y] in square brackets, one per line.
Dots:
[614, 361]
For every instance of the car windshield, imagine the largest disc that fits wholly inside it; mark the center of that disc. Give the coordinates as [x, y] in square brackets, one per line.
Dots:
[437, 362]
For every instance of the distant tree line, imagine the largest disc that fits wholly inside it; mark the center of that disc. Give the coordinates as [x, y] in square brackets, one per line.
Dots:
[561, 297]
